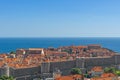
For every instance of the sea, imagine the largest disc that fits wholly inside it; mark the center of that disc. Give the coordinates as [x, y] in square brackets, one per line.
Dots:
[11, 44]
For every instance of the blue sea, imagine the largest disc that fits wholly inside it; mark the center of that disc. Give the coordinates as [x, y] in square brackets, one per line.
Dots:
[11, 44]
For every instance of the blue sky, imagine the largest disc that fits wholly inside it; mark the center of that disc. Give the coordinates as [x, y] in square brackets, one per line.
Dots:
[59, 18]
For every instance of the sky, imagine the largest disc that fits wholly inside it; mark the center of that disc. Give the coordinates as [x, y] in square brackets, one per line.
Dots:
[59, 18]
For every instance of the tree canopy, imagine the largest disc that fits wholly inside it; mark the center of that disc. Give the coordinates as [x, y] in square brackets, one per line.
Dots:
[12, 52]
[117, 72]
[109, 70]
[4, 77]
[76, 71]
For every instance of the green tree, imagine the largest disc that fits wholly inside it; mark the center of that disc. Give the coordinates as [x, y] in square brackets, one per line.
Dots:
[76, 71]
[4, 77]
[117, 72]
[12, 52]
[109, 70]
[106, 70]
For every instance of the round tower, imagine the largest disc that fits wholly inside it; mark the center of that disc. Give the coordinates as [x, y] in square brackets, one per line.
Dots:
[5, 70]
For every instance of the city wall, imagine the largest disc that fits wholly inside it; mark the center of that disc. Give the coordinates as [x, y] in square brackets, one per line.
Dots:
[64, 67]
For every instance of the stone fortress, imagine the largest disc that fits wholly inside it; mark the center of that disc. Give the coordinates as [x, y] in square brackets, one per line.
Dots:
[46, 69]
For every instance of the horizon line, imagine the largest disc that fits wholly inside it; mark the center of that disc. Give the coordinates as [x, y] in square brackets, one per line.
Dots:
[64, 37]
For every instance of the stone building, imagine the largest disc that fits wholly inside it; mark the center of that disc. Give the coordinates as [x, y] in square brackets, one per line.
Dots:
[94, 46]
